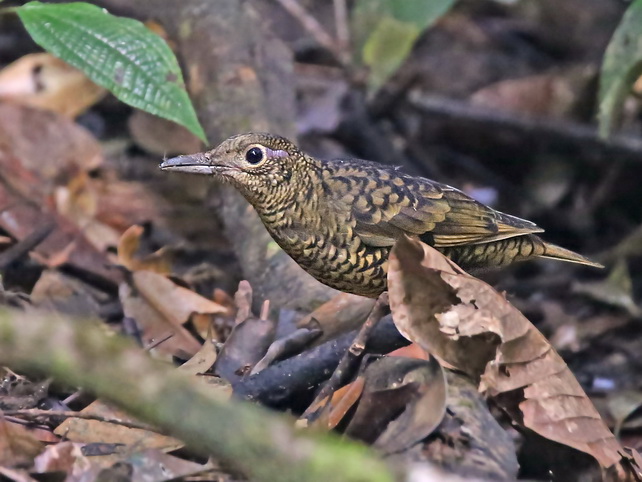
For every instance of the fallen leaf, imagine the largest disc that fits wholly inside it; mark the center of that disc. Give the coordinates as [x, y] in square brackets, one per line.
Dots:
[464, 321]
[18, 447]
[27, 184]
[96, 431]
[622, 406]
[44, 81]
[58, 292]
[557, 94]
[28, 136]
[122, 204]
[160, 306]
[403, 401]
[616, 290]
[342, 400]
[175, 302]
[153, 464]
[128, 245]
[247, 344]
[204, 358]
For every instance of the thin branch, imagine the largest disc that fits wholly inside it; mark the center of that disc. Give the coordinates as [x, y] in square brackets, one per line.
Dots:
[35, 414]
[315, 29]
[351, 357]
[263, 446]
[342, 25]
[547, 134]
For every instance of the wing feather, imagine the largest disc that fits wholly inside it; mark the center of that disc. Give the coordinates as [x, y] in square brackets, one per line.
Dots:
[396, 203]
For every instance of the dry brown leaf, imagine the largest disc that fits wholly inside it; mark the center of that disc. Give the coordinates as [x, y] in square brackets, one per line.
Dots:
[152, 464]
[616, 290]
[464, 321]
[97, 431]
[160, 306]
[403, 401]
[411, 351]
[423, 414]
[124, 203]
[246, 345]
[175, 302]
[551, 94]
[203, 360]
[18, 446]
[78, 202]
[341, 402]
[623, 405]
[44, 81]
[158, 262]
[28, 135]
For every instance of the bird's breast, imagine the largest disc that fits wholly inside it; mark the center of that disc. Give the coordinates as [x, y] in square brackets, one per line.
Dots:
[326, 246]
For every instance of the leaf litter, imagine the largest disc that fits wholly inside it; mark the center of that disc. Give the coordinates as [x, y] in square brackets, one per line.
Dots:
[476, 330]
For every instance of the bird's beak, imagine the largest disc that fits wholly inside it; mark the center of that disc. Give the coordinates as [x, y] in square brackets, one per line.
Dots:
[193, 164]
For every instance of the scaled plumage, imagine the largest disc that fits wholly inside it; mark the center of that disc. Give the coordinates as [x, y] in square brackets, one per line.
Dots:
[338, 219]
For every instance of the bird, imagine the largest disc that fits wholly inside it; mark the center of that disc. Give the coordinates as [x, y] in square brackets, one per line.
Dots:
[339, 219]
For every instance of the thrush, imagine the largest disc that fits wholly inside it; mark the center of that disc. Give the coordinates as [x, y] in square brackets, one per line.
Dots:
[338, 219]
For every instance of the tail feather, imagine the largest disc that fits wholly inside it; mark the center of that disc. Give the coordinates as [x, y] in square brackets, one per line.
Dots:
[553, 251]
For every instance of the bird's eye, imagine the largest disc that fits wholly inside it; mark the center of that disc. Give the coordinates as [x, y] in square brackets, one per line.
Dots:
[254, 155]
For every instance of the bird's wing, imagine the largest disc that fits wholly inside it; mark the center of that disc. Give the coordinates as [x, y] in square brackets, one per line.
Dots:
[439, 214]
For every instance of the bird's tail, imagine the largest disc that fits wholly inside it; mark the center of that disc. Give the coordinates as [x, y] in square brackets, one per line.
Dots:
[552, 251]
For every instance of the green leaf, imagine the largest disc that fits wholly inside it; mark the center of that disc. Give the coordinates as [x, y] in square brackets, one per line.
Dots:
[622, 65]
[118, 53]
[385, 31]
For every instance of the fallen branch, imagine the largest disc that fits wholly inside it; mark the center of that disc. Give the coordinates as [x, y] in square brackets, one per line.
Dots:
[261, 445]
[37, 414]
[278, 384]
[539, 133]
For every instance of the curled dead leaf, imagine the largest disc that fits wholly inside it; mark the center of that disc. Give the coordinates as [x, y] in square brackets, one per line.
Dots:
[17, 445]
[465, 322]
[44, 81]
[128, 245]
[403, 401]
[106, 432]
[160, 306]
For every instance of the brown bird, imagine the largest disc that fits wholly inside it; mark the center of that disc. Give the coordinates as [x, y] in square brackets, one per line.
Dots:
[338, 219]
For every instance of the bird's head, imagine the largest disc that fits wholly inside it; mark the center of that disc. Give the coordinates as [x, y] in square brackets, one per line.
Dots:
[257, 164]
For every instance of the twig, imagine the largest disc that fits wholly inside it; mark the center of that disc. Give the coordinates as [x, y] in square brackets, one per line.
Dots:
[73, 397]
[159, 340]
[314, 28]
[265, 310]
[25, 245]
[35, 413]
[352, 355]
[547, 134]
[277, 385]
[341, 24]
